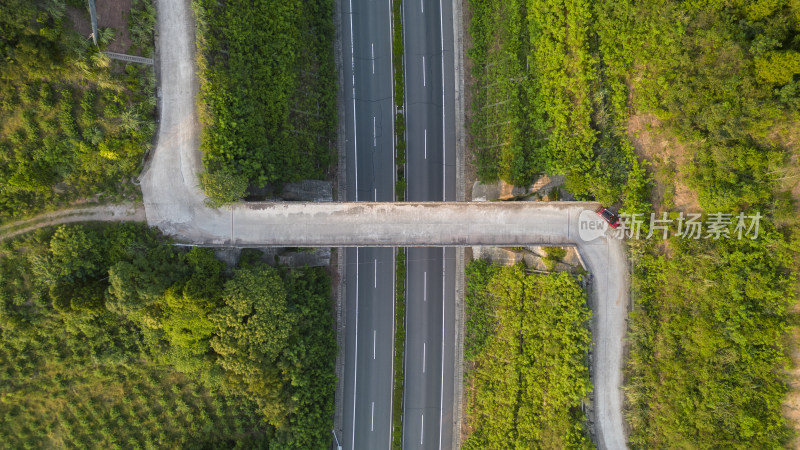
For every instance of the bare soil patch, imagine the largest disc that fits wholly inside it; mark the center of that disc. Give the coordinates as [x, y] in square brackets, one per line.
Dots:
[786, 136]
[669, 159]
[114, 14]
[791, 404]
[103, 213]
[110, 13]
[79, 18]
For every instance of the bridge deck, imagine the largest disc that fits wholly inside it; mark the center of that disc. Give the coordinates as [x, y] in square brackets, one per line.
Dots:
[380, 224]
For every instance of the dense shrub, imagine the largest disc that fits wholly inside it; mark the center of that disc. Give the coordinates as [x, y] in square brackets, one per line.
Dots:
[540, 102]
[103, 315]
[527, 340]
[711, 317]
[268, 93]
[707, 356]
[62, 115]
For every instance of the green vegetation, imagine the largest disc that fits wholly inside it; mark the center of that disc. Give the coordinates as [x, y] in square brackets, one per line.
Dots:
[73, 123]
[223, 187]
[399, 349]
[555, 87]
[101, 329]
[705, 70]
[708, 351]
[554, 256]
[399, 99]
[526, 343]
[540, 104]
[701, 67]
[77, 403]
[141, 23]
[268, 92]
[707, 357]
[479, 326]
[400, 195]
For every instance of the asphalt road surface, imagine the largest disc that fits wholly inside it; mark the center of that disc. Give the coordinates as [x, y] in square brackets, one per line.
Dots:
[430, 121]
[369, 135]
[430, 170]
[428, 405]
[368, 341]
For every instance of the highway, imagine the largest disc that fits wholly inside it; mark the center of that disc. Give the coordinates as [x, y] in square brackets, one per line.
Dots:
[368, 348]
[430, 170]
[369, 274]
[428, 404]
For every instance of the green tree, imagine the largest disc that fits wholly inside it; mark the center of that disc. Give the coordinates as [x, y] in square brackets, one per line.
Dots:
[778, 67]
[223, 187]
[76, 253]
[253, 329]
[138, 283]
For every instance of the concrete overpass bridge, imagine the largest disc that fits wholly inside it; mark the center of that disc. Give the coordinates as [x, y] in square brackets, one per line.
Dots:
[174, 204]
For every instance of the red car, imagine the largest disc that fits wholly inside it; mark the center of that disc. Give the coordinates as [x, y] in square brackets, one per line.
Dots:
[610, 218]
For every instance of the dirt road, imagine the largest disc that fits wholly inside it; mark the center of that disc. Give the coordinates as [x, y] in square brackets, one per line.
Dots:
[104, 213]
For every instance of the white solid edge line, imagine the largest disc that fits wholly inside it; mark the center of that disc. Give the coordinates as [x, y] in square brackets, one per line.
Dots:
[444, 137]
[441, 388]
[355, 119]
[391, 378]
[421, 427]
[355, 361]
[355, 152]
[355, 141]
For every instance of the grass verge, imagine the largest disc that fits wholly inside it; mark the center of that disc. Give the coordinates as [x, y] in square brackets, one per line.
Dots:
[400, 195]
[399, 100]
[399, 349]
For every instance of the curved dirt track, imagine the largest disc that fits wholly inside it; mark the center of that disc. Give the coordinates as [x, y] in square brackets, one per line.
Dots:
[105, 213]
[175, 204]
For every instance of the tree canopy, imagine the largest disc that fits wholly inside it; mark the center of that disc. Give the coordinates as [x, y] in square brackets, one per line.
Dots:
[104, 299]
[75, 123]
[268, 95]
